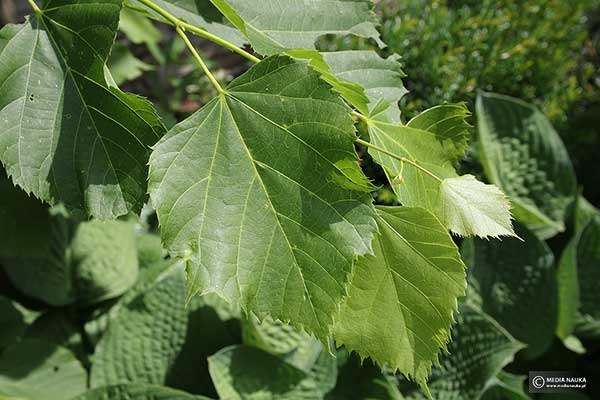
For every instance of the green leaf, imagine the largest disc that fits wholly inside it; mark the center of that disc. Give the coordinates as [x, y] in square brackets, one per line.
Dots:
[40, 370]
[568, 289]
[124, 66]
[510, 278]
[464, 205]
[203, 15]
[242, 372]
[362, 381]
[272, 26]
[401, 301]
[89, 263]
[479, 350]
[138, 28]
[505, 386]
[588, 276]
[522, 154]
[260, 191]
[380, 77]
[65, 135]
[55, 326]
[154, 338]
[448, 122]
[137, 391]
[469, 207]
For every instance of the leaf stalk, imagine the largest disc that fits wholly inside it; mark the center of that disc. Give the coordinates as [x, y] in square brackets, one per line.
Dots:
[35, 7]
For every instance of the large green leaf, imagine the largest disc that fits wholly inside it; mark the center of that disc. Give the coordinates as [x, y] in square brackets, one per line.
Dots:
[261, 193]
[242, 372]
[463, 204]
[275, 25]
[91, 262]
[65, 136]
[524, 156]
[510, 277]
[137, 391]
[401, 301]
[479, 350]
[40, 370]
[154, 338]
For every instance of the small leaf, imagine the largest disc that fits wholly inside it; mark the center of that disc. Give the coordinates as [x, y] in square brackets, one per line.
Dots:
[510, 278]
[401, 301]
[470, 207]
[261, 194]
[274, 26]
[40, 370]
[525, 157]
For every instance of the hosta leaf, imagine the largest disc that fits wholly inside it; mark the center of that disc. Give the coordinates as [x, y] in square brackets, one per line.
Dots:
[40, 370]
[65, 136]
[479, 350]
[243, 372]
[203, 15]
[154, 338]
[261, 193]
[464, 205]
[588, 276]
[469, 206]
[524, 156]
[511, 277]
[272, 26]
[362, 380]
[448, 122]
[568, 289]
[137, 391]
[401, 300]
[89, 263]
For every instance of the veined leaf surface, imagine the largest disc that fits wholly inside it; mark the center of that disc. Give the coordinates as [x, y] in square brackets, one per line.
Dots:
[137, 391]
[272, 26]
[65, 135]
[401, 301]
[261, 193]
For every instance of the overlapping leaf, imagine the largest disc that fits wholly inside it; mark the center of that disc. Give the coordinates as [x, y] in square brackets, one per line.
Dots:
[401, 300]
[272, 26]
[510, 277]
[137, 391]
[463, 204]
[524, 156]
[64, 134]
[261, 193]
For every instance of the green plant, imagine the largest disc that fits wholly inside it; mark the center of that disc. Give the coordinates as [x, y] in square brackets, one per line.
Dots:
[263, 210]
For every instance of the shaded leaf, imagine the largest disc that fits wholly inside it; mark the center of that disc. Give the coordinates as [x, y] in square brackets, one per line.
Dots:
[505, 386]
[401, 301]
[510, 278]
[65, 135]
[588, 277]
[522, 153]
[137, 391]
[261, 193]
[12, 322]
[273, 26]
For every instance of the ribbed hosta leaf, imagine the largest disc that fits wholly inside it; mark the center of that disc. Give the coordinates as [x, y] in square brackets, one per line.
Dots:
[203, 15]
[463, 204]
[479, 350]
[261, 193]
[65, 135]
[510, 277]
[524, 156]
[401, 300]
[275, 25]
